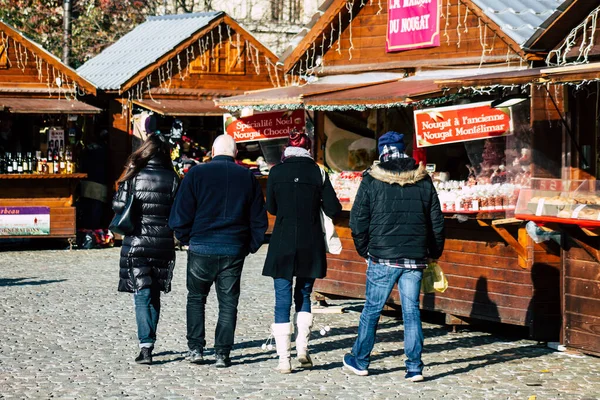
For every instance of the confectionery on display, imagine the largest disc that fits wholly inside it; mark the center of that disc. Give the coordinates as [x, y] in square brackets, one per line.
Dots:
[573, 201]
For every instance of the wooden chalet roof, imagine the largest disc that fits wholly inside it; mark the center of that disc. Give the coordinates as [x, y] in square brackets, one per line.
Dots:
[28, 105]
[555, 29]
[27, 67]
[469, 35]
[166, 41]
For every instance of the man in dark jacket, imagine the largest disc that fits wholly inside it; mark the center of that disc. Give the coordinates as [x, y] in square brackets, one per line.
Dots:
[220, 212]
[398, 226]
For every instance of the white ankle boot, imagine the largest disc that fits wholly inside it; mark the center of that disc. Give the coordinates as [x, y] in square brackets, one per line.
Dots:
[304, 321]
[283, 343]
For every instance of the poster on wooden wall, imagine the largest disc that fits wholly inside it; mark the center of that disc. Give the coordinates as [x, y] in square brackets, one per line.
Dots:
[412, 24]
[24, 221]
[444, 125]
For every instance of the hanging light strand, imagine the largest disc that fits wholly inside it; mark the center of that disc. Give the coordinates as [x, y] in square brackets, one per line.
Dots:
[458, 26]
[350, 7]
[561, 54]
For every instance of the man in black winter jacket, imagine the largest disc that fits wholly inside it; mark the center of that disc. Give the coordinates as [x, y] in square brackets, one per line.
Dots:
[220, 212]
[398, 226]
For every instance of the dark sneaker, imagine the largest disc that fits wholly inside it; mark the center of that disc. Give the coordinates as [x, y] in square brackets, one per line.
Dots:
[222, 361]
[350, 363]
[145, 356]
[194, 356]
[414, 376]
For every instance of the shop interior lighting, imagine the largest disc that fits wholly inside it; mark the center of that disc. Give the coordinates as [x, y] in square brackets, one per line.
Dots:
[509, 101]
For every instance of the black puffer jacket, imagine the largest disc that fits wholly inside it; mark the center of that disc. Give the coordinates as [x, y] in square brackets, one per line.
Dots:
[148, 254]
[396, 213]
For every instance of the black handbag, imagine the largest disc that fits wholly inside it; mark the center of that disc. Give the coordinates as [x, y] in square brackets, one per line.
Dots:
[122, 223]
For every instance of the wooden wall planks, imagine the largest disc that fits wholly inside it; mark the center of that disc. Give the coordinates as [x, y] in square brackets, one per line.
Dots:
[581, 277]
[486, 281]
[461, 36]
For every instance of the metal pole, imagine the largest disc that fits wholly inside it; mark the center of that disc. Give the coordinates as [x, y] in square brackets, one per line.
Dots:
[67, 7]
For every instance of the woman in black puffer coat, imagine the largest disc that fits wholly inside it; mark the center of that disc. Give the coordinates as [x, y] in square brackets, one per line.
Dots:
[148, 254]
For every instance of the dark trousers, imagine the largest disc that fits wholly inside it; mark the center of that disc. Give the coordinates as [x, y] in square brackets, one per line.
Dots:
[147, 313]
[225, 272]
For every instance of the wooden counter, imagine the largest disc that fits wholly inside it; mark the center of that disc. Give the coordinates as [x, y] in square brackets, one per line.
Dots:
[490, 279]
[55, 191]
[581, 289]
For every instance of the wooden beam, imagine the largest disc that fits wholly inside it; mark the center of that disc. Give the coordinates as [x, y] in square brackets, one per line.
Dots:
[402, 66]
[507, 237]
[574, 232]
[506, 221]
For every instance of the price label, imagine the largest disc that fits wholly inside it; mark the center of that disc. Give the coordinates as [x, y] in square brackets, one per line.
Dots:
[577, 210]
[540, 207]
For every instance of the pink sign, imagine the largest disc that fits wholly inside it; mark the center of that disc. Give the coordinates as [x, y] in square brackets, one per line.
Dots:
[412, 24]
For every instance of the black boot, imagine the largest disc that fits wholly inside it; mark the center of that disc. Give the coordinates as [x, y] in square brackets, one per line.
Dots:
[145, 356]
[222, 360]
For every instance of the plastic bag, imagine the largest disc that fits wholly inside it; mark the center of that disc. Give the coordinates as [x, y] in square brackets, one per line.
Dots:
[434, 279]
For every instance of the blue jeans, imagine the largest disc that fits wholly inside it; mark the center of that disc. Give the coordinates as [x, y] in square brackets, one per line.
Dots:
[147, 313]
[380, 283]
[283, 297]
[225, 272]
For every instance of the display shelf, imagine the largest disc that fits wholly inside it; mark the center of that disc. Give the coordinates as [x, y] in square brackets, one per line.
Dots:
[43, 176]
[480, 211]
[568, 202]
[567, 221]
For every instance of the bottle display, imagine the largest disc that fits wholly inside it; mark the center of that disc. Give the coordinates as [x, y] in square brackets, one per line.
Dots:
[57, 161]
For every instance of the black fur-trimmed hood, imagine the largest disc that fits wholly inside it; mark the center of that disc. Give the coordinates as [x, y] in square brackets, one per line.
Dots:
[402, 172]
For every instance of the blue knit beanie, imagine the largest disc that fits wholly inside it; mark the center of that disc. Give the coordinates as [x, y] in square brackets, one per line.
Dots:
[391, 139]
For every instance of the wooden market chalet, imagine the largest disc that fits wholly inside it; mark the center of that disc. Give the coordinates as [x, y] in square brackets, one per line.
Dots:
[174, 66]
[39, 95]
[488, 51]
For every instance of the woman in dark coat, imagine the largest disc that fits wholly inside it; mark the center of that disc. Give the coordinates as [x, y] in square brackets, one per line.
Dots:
[148, 254]
[296, 191]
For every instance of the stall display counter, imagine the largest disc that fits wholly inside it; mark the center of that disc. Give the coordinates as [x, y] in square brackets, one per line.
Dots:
[581, 288]
[495, 271]
[572, 207]
[572, 202]
[51, 192]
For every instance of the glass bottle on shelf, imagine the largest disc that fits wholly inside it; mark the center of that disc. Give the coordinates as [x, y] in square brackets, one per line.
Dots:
[19, 163]
[69, 160]
[56, 162]
[9, 163]
[50, 158]
[25, 161]
[3, 163]
[62, 162]
[15, 164]
[37, 161]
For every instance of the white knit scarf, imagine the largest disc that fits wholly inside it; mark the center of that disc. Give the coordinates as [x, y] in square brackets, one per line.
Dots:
[296, 152]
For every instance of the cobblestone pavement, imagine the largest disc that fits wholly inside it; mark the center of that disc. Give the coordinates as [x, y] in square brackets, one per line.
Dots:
[66, 333]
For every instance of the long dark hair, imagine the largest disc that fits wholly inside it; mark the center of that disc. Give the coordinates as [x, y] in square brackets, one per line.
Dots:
[153, 146]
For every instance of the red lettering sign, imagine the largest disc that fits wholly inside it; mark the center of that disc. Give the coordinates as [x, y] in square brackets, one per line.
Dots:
[264, 126]
[412, 24]
[462, 123]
